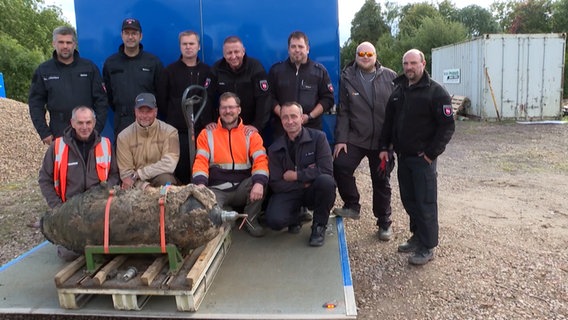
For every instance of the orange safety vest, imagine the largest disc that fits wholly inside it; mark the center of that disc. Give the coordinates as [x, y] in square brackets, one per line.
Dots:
[102, 157]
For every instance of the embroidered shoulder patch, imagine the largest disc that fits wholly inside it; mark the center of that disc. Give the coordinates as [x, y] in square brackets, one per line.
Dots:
[448, 110]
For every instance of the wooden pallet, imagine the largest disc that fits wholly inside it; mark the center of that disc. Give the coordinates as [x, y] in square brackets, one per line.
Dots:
[75, 287]
[460, 105]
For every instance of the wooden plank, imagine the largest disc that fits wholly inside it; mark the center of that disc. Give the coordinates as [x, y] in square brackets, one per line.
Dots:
[101, 276]
[69, 270]
[153, 270]
[204, 260]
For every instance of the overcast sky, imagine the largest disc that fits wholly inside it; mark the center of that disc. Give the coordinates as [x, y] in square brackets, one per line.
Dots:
[347, 9]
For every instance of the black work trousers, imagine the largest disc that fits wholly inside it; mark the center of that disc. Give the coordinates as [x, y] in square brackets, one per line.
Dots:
[343, 170]
[283, 208]
[417, 180]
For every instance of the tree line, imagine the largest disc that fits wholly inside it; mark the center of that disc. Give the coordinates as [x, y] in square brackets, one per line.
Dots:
[25, 41]
[25, 31]
[394, 29]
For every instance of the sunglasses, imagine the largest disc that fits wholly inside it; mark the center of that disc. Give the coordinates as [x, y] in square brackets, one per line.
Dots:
[365, 54]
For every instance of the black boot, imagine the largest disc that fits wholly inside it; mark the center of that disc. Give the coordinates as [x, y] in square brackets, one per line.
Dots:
[318, 235]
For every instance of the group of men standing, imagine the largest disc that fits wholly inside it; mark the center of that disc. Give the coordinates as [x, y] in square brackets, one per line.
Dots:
[248, 109]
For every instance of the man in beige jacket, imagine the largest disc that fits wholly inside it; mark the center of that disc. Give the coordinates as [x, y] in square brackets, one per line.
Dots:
[147, 150]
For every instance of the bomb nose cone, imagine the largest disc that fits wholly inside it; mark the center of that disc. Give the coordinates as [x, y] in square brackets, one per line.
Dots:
[219, 216]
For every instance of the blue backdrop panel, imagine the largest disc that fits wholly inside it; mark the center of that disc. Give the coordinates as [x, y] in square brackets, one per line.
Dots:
[264, 27]
[2, 89]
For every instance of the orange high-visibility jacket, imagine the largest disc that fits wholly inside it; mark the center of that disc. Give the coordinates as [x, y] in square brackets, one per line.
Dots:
[224, 158]
[102, 156]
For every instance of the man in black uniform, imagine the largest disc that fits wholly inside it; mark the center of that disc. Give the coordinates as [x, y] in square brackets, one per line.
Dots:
[245, 76]
[129, 72]
[62, 83]
[186, 71]
[301, 80]
[300, 169]
[419, 123]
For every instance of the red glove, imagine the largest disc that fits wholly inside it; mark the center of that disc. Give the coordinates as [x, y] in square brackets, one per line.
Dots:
[383, 168]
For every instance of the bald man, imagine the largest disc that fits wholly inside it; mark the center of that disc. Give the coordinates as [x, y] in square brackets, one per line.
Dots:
[365, 88]
[419, 123]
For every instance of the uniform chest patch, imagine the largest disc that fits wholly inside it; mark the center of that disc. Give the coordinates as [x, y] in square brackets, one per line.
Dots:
[330, 87]
[207, 83]
[448, 111]
[263, 85]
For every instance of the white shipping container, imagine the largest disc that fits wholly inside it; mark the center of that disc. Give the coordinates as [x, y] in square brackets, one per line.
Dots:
[513, 76]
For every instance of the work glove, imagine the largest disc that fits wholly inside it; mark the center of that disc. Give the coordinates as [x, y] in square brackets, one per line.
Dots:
[383, 169]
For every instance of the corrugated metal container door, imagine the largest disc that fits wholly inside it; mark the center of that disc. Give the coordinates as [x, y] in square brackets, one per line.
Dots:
[518, 75]
[530, 74]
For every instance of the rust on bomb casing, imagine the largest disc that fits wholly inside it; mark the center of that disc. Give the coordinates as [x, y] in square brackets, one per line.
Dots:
[134, 218]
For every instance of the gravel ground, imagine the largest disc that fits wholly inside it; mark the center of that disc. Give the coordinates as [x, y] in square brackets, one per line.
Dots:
[503, 225]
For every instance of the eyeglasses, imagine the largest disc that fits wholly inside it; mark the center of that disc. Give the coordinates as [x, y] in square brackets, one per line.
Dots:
[229, 107]
[365, 54]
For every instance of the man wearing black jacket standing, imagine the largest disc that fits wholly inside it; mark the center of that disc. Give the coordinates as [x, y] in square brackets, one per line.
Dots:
[246, 77]
[186, 71]
[419, 122]
[63, 83]
[128, 73]
[303, 80]
[365, 90]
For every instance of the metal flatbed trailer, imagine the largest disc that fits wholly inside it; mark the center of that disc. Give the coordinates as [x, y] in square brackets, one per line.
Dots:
[275, 277]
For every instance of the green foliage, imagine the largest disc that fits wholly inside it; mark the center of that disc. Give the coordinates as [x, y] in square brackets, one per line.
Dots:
[368, 23]
[413, 17]
[531, 16]
[389, 53]
[477, 20]
[434, 32]
[25, 41]
[560, 16]
[448, 10]
[347, 53]
[19, 68]
[502, 13]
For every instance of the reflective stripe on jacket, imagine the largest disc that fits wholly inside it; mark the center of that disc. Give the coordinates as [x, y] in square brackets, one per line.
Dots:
[102, 157]
[224, 157]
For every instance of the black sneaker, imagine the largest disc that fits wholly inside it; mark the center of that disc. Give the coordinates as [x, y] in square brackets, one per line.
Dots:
[317, 238]
[421, 256]
[409, 246]
[346, 213]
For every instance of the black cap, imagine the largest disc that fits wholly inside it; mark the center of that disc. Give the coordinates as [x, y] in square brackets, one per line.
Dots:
[145, 100]
[131, 23]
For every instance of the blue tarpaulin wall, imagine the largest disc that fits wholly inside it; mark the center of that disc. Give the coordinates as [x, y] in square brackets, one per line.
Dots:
[264, 27]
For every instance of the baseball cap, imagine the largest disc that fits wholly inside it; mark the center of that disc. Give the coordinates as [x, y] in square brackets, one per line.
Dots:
[145, 99]
[131, 23]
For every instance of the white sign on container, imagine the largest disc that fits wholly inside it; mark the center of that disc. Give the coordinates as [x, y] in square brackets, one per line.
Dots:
[452, 76]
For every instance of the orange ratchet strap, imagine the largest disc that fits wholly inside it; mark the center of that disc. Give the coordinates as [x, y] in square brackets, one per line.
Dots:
[162, 201]
[107, 223]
